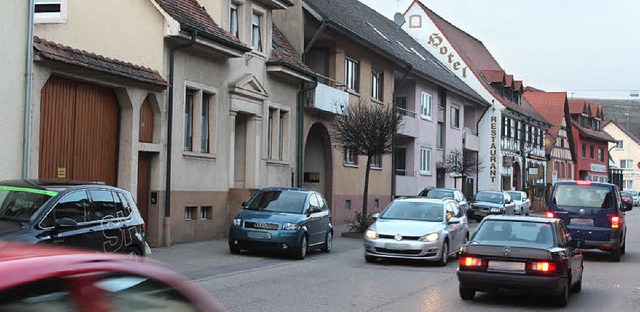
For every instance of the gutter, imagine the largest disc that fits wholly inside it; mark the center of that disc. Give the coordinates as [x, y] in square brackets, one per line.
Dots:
[167, 199]
[26, 145]
[195, 31]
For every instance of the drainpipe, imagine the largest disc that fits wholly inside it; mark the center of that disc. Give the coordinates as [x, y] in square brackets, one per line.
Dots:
[477, 129]
[27, 96]
[167, 198]
[300, 141]
[393, 139]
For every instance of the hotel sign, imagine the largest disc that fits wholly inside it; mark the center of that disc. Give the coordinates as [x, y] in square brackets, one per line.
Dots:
[436, 40]
[493, 150]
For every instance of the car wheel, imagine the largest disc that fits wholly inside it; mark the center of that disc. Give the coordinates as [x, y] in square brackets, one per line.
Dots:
[467, 294]
[615, 255]
[133, 251]
[444, 258]
[370, 259]
[301, 251]
[234, 249]
[562, 299]
[328, 242]
[623, 248]
[577, 287]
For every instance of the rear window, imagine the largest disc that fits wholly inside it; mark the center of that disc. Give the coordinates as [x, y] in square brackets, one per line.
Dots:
[591, 196]
[516, 195]
[278, 201]
[490, 197]
[438, 194]
[419, 211]
[19, 204]
[492, 231]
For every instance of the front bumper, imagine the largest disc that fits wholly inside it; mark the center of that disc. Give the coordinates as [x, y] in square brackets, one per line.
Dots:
[494, 282]
[404, 249]
[264, 239]
[477, 213]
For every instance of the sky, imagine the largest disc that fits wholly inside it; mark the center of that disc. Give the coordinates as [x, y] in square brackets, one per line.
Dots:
[588, 48]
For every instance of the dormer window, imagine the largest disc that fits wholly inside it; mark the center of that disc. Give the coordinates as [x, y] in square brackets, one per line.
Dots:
[256, 31]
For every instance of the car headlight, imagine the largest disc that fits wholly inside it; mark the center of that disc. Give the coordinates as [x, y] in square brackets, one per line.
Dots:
[433, 237]
[237, 222]
[371, 234]
[290, 226]
[495, 209]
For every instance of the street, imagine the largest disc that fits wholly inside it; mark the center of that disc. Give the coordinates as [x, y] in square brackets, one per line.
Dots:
[343, 281]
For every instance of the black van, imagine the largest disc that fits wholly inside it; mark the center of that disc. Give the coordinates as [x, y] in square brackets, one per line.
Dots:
[90, 216]
[593, 212]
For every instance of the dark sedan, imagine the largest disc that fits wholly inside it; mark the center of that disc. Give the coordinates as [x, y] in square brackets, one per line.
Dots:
[521, 254]
[487, 203]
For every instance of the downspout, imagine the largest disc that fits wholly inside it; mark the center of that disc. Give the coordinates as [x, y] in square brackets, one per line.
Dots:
[167, 198]
[27, 96]
[478, 154]
[393, 139]
[300, 141]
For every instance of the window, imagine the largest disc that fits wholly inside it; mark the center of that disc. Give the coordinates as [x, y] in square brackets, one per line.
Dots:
[516, 132]
[190, 212]
[75, 206]
[626, 164]
[347, 204]
[376, 161]
[50, 11]
[104, 206]
[256, 32]
[425, 160]
[455, 117]
[352, 74]
[439, 135]
[204, 123]
[350, 157]
[415, 21]
[43, 295]
[205, 212]
[584, 150]
[188, 120]
[619, 144]
[591, 151]
[627, 185]
[426, 102]
[600, 154]
[277, 133]
[377, 84]
[233, 20]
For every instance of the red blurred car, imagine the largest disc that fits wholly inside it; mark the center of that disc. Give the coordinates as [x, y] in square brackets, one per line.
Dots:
[46, 278]
[627, 198]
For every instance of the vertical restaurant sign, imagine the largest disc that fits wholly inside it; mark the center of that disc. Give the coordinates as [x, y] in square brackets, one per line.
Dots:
[436, 41]
[493, 150]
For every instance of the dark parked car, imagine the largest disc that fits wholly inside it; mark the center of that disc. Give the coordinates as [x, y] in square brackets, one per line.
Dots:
[593, 212]
[521, 254]
[440, 193]
[285, 219]
[43, 278]
[91, 216]
[487, 203]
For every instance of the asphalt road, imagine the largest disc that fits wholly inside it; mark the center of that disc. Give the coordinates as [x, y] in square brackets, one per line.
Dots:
[343, 281]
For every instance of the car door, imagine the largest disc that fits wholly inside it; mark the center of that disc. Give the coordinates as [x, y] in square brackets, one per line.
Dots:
[462, 201]
[575, 255]
[75, 206]
[325, 216]
[313, 220]
[509, 204]
[526, 203]
[110, 229]
[451, 211]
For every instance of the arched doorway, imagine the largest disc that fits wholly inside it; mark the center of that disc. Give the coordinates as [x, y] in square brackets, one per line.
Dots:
[318, 171]
[517, 176]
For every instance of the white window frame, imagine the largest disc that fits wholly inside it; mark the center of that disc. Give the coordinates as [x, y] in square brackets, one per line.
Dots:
[426, 105]
[277, 129]
[627, 162]
[627, 184]
[234, 5]
[457, 109]
[261, 15]
[376, 161]
[350, 157]
[377, 85]
[197, 127]
[425, 160]
[54, 17]
[352, 74]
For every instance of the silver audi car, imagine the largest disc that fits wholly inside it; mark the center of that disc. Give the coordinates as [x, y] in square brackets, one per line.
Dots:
[417, 228]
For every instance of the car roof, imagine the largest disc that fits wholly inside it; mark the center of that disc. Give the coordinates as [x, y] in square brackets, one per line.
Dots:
[574, 182]
[54, 184]
[289, 189]
[521, 219]
[495, 192]
[421, 199]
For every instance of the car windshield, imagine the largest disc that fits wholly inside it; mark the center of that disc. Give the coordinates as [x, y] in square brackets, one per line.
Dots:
[439, 194]
[591, 196]
[19, 204]
[490, 197]
[278, 201]
[419, 211]
[516, 195]
[514, 232]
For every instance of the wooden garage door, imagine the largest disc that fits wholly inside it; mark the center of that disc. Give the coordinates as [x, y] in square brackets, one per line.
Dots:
[78, 132]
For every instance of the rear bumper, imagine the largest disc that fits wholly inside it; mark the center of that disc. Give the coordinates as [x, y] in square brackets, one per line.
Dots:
[494, 282]
[604, 246]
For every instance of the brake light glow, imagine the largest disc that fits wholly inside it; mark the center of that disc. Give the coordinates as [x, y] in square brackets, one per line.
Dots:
[615, 222]
[550, 214]
[471, 262]
[583, 182]
[542, 266]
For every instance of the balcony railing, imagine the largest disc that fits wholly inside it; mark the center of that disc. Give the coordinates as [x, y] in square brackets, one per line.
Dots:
[409, 123]
[470, 140]
[329, 96]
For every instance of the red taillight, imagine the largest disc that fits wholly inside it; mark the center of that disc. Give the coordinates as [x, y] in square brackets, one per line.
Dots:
[471, 262]
[615, 222]
[550, 214]
[542, 266]
[583, 182]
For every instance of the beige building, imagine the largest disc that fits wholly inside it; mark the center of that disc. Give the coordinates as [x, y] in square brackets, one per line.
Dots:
[189, 111]
[14, 25]
[625, 154]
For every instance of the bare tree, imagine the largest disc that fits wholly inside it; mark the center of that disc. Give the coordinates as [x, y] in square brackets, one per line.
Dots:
[366, 129]
[461, 164]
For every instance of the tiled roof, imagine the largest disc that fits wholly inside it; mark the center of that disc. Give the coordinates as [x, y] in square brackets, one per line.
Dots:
[479, 59]
[494, 75]
[508, 81]
[58, 52]
[551, 106]
[191, 14]
[597, 135]
[517, 85]
[284, 53]
[383, 36]
[576, 106]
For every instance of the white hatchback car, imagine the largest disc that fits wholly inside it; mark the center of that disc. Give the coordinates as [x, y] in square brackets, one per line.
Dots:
[523, 204]
[417, 228]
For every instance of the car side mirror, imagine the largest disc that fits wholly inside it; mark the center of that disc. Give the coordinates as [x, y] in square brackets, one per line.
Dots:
[376, 215]
[453, 220]
[65, 223]
[313, 209]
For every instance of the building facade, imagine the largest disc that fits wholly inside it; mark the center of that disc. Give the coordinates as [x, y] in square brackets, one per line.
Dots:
[625, 153]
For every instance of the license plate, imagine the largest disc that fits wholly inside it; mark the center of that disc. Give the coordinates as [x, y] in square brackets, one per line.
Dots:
[259, 235]
[581, 221]
[395, 246]
[481, 213]
[506, 265]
